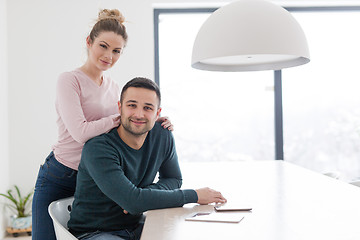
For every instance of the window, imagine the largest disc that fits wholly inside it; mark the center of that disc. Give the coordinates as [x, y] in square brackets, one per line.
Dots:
[218, 116]
[321, 102]
[229, 116]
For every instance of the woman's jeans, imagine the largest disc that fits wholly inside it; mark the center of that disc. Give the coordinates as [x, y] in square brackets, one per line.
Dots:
[55, 181]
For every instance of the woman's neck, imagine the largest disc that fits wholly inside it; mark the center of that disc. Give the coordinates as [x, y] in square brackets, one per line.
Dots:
[92, 73]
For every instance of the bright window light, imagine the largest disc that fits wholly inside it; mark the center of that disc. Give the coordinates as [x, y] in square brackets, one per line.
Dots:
[217, 116]
[321, 102]
[222, 116]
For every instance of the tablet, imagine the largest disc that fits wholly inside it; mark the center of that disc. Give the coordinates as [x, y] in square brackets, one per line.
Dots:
[216, 217]
[232, 207]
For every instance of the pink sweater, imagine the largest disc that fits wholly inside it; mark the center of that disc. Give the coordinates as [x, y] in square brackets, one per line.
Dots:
[84, 111]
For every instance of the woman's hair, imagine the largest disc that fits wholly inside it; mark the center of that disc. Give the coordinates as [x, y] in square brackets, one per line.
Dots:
[109, 21]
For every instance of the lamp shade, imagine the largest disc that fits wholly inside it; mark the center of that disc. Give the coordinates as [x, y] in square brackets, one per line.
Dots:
[250, 35]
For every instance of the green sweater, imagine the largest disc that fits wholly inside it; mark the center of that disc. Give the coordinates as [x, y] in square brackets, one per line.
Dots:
[113, 177]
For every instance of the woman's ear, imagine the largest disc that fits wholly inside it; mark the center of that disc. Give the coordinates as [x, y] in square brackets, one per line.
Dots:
[88, 41]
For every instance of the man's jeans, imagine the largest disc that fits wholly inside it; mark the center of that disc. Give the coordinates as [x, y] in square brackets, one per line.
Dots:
[133, 234]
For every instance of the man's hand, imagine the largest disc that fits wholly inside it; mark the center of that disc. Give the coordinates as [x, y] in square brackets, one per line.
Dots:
[208, 195]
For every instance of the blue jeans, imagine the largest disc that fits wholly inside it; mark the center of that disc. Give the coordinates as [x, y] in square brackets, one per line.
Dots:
[126, 234]
[55, 181]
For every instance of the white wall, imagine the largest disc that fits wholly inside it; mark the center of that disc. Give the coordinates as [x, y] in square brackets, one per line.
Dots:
[47, 37]
[4, 152]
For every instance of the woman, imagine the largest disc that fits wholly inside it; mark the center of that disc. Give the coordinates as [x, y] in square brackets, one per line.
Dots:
[86, 105]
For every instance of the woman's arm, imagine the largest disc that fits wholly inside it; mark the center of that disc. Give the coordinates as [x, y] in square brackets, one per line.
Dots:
[70, 110]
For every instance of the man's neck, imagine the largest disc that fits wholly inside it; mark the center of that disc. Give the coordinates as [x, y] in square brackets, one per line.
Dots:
[130, 139]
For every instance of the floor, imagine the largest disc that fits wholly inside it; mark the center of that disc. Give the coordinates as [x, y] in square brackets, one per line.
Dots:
[21, 237]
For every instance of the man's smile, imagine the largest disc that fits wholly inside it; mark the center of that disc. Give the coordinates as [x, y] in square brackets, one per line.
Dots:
[138, 122]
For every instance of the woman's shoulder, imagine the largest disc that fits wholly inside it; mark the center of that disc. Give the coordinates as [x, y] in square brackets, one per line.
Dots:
[69, 80]
[68, 76]
[75, 78]
[72, 75]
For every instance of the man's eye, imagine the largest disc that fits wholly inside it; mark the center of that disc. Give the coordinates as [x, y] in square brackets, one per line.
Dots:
[148, 108]
[132, 105]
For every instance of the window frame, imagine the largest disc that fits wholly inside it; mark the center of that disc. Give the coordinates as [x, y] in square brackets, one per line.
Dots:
[278, 106]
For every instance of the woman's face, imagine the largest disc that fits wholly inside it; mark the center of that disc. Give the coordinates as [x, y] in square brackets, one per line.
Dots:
[105, 50]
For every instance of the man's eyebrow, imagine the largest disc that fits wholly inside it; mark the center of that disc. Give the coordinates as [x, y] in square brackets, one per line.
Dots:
[150, 104]
[134, 101]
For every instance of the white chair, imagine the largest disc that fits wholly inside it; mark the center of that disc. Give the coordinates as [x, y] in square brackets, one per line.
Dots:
[60, 214]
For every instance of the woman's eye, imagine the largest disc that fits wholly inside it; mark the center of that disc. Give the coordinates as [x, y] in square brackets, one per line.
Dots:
[117, 51]
[103, 46]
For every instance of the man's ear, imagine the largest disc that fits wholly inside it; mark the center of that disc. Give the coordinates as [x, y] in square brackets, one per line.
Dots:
[158, 113]
[119, 106]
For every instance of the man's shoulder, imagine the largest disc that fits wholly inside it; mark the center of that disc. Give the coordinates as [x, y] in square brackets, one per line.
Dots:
[98, 146]
[160, 136]
[97, 139]
[104, 138]
[158, 130]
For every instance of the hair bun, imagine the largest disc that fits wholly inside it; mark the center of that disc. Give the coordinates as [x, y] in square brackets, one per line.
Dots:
[111, 14]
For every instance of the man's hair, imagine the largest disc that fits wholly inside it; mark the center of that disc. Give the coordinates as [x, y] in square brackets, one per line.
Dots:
[141, 82]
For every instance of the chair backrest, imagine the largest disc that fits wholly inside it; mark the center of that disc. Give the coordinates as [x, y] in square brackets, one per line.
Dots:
[60, 214]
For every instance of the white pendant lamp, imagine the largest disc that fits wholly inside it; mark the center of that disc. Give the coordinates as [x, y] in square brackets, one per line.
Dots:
[250, 35]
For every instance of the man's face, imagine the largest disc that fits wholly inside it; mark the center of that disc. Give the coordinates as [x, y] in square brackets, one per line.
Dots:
[139, 110]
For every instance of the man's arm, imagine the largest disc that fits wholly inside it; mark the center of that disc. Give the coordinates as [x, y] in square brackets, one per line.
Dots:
[104, 168]
[169, 173]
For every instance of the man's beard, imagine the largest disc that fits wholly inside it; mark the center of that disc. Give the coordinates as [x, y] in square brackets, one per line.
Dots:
[136, 132]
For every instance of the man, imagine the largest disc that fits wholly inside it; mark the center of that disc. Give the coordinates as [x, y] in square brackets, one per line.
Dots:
[116, 173]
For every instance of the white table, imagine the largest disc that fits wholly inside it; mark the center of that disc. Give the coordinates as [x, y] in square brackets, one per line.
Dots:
[289, 203]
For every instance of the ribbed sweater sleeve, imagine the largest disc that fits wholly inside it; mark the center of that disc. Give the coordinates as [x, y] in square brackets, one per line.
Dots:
[113, 177]
[70, 108]
[105, 170]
